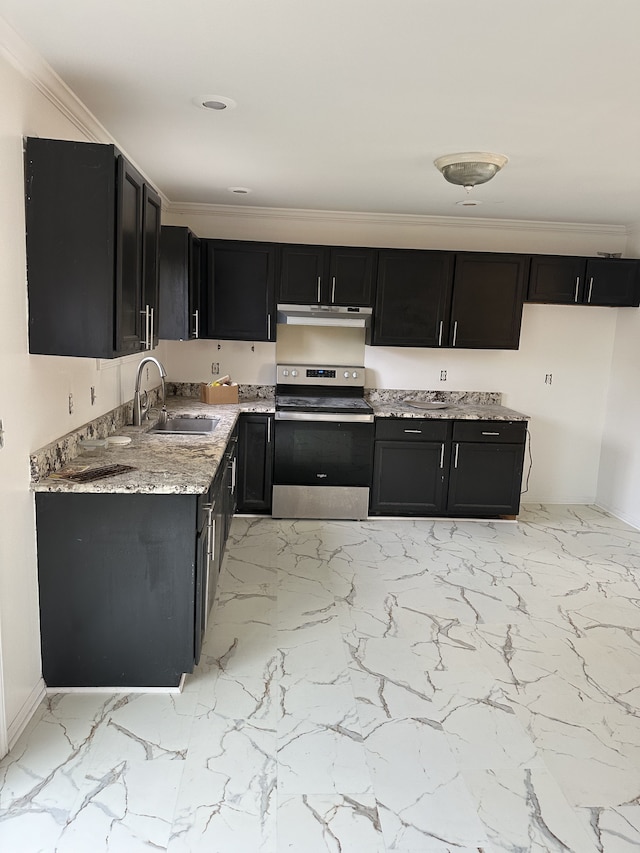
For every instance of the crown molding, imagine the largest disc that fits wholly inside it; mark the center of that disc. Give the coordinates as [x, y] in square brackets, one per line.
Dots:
[390, 219]
[41, 75]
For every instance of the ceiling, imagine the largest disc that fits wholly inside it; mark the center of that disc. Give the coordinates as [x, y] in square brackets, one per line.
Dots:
[343, 105]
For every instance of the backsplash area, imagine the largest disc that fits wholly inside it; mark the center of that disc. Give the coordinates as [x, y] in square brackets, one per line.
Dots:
[378, 396]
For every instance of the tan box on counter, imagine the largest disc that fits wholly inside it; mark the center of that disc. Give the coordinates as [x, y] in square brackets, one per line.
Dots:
[219, 395]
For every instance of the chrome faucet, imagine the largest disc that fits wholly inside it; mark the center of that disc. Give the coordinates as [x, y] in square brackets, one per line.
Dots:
[141, 409]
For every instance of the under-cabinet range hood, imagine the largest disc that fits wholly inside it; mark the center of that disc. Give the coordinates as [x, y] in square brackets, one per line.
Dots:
[324, 315]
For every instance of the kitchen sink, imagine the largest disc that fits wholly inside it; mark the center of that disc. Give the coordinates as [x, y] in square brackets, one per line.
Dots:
[185, 426]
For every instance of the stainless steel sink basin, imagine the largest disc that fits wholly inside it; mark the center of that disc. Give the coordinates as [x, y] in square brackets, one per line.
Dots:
[185, 426]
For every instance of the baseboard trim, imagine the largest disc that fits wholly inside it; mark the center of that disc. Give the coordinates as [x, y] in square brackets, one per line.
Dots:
[52, 691]
[21, 721]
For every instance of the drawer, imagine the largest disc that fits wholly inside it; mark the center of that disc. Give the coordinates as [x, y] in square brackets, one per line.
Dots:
[511, 432]
[412, 429]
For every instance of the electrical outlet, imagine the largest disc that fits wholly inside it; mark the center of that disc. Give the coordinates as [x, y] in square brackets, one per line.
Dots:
[93, 395]
[548, 378]
[70, 404]
[215, 368]
[147, 374]
[443, 376]
[1, 436]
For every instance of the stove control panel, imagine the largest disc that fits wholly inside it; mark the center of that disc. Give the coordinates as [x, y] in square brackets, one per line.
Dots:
[343, 375]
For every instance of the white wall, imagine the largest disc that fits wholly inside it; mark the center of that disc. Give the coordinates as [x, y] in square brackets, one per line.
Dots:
[619, 481]
[33, 394]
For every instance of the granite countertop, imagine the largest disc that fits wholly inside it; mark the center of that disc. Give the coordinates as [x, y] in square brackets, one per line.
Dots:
[186, 464]
[165, 464]
[453, 411]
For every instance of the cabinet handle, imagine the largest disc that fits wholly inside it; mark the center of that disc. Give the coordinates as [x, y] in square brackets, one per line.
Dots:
[319, 284]
[333, 290]
[196, 323]
[455, 333]
[268, 327]
[417, 431]
[491, 433]
[575, 298]
[455, 461]
[268, 430]
[145, 342]
[152, 326]
[440, 334]
[233, 475]
[442, 456]
[590, 289]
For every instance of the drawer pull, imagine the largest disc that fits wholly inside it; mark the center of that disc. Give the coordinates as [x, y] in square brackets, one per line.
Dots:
[455, 461]
[416, 431]
[491, 433]
[442, 456]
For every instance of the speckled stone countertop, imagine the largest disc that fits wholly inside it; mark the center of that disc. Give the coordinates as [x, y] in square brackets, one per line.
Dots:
[165, 464]
[186, 464]
[460, 405]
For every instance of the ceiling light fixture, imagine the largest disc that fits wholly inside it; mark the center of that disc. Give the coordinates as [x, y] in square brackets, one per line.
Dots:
[470, 168]
[217, 103]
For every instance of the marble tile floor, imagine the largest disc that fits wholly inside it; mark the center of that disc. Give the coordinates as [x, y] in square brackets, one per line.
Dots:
[377, 687]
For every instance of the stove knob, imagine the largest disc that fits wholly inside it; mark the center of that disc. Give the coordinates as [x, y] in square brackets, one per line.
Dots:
[294, 372]
[355, 375]
[285, 372]
[346, 374]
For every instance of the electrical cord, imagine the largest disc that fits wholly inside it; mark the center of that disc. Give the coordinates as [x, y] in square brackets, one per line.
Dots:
[526, 482]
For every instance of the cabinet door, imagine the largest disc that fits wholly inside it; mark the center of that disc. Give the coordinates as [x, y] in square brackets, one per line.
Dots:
[240, 288]
[129, 243]
[409, 477]
[194, 306]
[485, 478]
[612, 281]
[556, 279]
[488, 292]
[412, 299]
[351, 277]
[150, 267]
[303, 276]
[255, 463]
[174, 283]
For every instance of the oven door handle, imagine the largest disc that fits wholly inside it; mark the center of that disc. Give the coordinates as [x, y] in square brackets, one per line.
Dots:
[325, 417]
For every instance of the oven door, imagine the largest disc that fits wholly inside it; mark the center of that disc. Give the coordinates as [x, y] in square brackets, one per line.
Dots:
[320, 452]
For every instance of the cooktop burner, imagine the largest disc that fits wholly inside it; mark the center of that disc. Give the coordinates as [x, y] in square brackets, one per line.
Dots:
[304, 403]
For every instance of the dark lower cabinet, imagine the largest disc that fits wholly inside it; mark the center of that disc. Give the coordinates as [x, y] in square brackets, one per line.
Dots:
[127, 581]
[410, 467]
[255, 463]
[121, 588]
[487, 459]
[438, 467]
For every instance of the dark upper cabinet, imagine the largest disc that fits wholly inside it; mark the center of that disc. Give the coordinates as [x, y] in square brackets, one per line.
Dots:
[150, 267]
[488, 294]
[255, 462]
[312, 275]
[238, 290]
[179, 284]
[612, 281]
[557, 279]
[91, 231]
[413, 297]
[572, 280]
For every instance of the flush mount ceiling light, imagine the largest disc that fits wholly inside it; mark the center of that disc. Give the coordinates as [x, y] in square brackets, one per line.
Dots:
[470, 168]
[215, 102]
